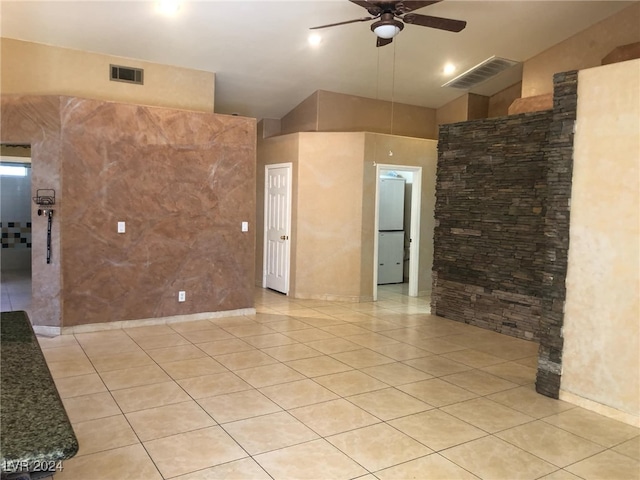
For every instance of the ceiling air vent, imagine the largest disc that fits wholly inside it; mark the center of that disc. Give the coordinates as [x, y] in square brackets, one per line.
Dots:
[480, 73]
[126, 74]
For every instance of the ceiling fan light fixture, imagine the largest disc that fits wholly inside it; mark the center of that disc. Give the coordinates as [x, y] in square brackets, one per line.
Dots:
[387, 28]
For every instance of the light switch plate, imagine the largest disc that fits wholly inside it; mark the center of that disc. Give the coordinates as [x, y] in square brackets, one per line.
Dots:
[121, 227]
[245, 226]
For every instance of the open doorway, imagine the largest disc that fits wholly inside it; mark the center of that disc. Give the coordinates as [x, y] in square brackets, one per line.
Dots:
[397, 227]
[15, 224]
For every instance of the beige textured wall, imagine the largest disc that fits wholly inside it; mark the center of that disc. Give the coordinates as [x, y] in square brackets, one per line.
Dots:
[601, 357]
[336, 112]
[329, 217]
[455, 111]
[37, 69]
[500, 102]
[333, 211]
[584, 50]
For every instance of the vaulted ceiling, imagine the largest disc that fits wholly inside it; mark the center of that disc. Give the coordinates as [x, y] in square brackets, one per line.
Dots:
[262, 59]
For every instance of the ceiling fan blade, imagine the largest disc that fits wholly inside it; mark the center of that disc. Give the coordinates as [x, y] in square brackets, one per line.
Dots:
[371, 7]
[381, 42]
[365, 19]
[410, 6]
[434, 22]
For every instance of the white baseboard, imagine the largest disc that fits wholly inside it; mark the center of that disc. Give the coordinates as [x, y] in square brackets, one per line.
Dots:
[604, 410]
[46, 331]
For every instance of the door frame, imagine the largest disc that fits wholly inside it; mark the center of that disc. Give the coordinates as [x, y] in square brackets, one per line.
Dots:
[414, 233]
[289, 167]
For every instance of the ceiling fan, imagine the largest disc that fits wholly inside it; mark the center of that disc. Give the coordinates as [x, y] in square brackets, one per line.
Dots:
[390, 16]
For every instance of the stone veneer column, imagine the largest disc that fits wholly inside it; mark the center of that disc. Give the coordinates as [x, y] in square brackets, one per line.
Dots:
[556, 230]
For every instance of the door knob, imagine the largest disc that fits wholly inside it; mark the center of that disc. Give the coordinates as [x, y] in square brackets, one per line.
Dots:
[284, 237]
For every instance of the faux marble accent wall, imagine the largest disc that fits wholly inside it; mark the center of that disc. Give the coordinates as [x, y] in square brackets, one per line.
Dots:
[182, 181]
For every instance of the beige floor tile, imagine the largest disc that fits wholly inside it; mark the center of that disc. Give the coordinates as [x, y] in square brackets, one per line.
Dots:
[352, 317]
[432, 466]
[269, 340]
[81, 385]
[332, 417]
[350, 383]
[396, 373]
[223, 347]
[474, 358]
[104, 434]
[309, 335]
[630, 448]
[168, 420]
[195, 326]
[149, 396]
[487, 415]
[90, 407]
[161, 341]
[513, 372]
[248, 330]
[68, 353]
[531, 362]
[560, 475]
[238, 406]
[148, 331]
[134, 377]
[389, 403]
[344, 330]
[511, 350]
[490, 457]
[119, 361]
[526, 400]
[294, 351]
[552, 444]
[209, 335]
[244, 469]
[232, 321]
[406, 334]
[288, 325]
[436, 346]
[55, 342]
[594, 427]
[401, 351]
[371, 340]
[97, 349]
[334, 345]
[607, 465]
[479, 382]
[298, 394]
[437, 429]
[211, 385]
[174, 354]
[376, 324]
[103, 337]
[194, 367]
[267, 375]
[70, 368]
[192, 451]
[316, 366]
[124, 462]
[362, 358]
[269, 432]
[378, 446]
[242, 360]
[437, 366]
[436, 392]
[307, 460]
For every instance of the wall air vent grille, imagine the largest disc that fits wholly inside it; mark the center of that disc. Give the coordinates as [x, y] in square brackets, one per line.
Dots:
[482, 72]
[126, 74]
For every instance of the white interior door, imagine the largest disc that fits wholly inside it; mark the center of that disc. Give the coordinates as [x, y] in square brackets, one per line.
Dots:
[277, 222]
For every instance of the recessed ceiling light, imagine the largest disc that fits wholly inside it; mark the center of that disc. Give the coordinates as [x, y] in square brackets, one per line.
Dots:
[168, 7]
[449, 68]
[315, 39]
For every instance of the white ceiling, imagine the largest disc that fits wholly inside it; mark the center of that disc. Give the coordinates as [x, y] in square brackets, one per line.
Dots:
[264, 65]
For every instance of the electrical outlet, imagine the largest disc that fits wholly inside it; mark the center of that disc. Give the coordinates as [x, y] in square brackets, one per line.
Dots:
[182, 296]
[121, 227]
[245, 226]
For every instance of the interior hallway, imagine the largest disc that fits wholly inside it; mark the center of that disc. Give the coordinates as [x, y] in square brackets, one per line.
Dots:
[326, 390]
